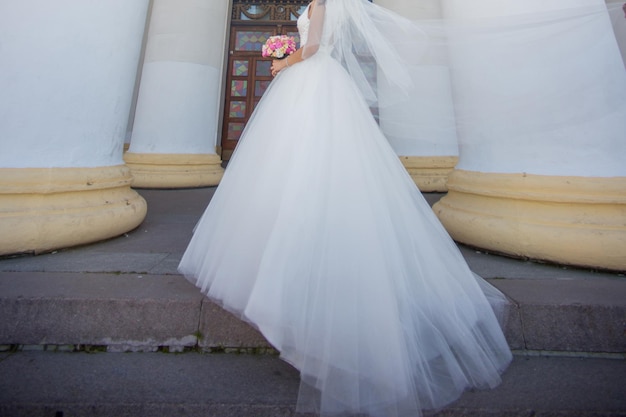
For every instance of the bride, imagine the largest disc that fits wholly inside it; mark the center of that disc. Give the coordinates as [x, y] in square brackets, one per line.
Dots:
[319, 238]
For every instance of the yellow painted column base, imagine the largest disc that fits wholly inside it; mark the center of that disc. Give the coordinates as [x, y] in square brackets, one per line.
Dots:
[159, 170]
[43, 209]
[567, 220]
[430, 173]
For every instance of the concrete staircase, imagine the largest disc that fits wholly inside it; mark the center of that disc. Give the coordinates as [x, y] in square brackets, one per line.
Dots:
[125, 295]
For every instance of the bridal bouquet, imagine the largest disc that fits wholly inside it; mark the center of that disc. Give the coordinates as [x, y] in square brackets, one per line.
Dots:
[279, 47]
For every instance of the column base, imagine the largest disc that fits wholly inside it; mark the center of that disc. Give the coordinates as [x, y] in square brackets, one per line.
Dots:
[430, 173]
[567, 220]
[42, 209]
[174, 170]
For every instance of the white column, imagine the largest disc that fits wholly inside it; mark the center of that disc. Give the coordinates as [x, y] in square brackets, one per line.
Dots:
[176, 123]
[67, 73]
[421, 129]
[540, 176]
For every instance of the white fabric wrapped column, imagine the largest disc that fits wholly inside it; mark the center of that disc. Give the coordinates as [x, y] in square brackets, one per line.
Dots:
[543, 114]
[176, 122]
[67, 74]
[414, 127]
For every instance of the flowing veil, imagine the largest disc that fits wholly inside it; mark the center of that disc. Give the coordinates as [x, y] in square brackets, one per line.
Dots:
[385, 54]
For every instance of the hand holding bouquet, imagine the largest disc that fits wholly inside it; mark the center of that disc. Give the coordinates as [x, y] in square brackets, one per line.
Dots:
[279, 47]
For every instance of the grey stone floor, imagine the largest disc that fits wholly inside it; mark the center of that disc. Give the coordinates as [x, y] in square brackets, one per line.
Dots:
[36, 383]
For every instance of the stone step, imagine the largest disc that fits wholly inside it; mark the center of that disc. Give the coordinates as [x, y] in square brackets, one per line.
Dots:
[42, 384]
[148, 312]
[120, 312]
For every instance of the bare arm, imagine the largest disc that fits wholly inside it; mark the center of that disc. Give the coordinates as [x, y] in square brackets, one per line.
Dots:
[280, 64]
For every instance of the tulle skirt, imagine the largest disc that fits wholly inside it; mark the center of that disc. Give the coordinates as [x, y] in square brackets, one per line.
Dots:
[319, 238]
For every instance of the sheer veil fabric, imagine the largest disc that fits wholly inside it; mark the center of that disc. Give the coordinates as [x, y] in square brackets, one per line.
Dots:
[318, 237]
[381, 49]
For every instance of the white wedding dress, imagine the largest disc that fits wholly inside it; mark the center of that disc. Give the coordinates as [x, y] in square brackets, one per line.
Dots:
[319, 238]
